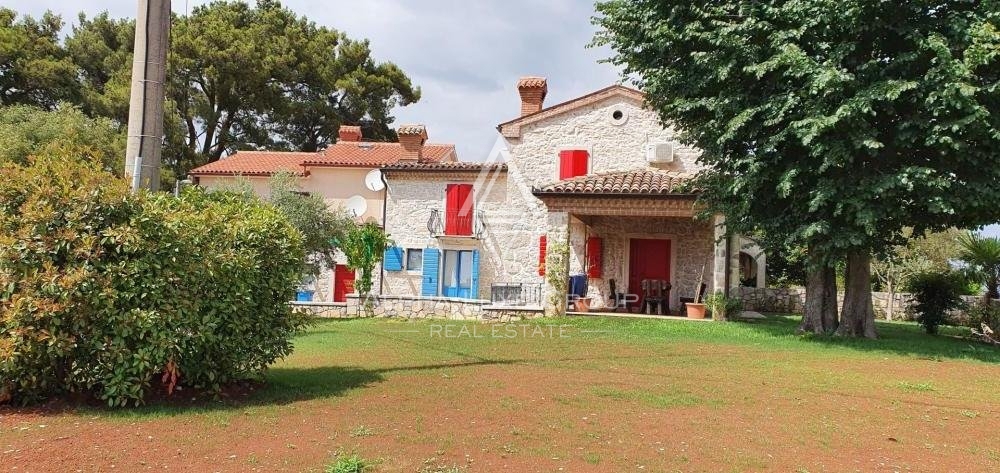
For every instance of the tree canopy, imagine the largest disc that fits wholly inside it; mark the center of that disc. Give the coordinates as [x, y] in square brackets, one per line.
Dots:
[27, 131]
[832, 123]
[239, 77]
[34, 67]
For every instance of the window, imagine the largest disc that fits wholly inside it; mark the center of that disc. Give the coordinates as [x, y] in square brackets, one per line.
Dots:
[414, 259]
[573, 163]
[458, 273]
[458, 210]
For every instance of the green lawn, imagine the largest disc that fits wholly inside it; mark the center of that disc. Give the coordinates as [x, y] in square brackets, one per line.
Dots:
[600, 394]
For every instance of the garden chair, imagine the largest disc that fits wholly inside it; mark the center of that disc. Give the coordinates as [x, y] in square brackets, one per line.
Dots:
[616, 298]
[686, 300]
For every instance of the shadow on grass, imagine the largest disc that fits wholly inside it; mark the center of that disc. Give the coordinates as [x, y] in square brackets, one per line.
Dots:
[896, 338]
[281, 386]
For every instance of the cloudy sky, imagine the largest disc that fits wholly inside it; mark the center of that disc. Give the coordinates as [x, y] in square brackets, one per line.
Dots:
[464, 55]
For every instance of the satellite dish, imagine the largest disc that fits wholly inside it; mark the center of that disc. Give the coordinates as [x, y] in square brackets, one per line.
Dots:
[373, 180]
[356, 205]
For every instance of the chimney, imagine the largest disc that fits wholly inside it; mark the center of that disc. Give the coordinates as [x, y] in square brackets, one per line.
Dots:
[532, 90]
[349, 133]
[412, 138]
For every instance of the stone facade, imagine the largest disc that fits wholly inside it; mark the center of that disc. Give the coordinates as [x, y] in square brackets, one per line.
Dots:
[418, 308]
[411, 197]
[615, 128]
[690, 245]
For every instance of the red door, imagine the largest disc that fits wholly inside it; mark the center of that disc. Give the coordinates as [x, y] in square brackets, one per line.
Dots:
[648, 259]
[458, 209]
[343, 283]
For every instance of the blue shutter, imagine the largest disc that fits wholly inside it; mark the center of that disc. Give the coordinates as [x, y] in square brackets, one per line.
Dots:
[429, 285]
[474, 292]
[393, 260]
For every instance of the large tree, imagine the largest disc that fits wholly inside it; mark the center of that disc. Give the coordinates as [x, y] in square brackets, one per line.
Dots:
[832, 122]
[265, 77]
[239, 77]
[34, 68]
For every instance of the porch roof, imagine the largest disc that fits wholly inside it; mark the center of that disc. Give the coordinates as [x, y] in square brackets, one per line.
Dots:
[644, 182]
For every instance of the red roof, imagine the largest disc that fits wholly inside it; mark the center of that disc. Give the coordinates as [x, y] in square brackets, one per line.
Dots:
[255, 163]
[374, 154]
[445, 166]
[345, 154]
[639, 182]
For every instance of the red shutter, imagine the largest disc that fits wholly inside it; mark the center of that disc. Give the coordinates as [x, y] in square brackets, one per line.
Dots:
[594, 257]
[541, 255]
[573, 163]
[458, 209]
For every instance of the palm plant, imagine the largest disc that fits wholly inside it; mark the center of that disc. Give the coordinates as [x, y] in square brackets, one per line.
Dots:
[982, 255]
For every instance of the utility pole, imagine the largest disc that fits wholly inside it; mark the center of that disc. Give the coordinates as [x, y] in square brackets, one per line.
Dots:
[145, 114]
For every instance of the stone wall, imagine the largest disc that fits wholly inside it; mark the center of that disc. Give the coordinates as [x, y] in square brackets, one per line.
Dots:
[691, 244]
[792, 300]
[418, 308]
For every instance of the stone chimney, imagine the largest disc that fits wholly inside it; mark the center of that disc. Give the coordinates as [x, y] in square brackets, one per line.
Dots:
[532, 90]
[412, 138]
[349, 133]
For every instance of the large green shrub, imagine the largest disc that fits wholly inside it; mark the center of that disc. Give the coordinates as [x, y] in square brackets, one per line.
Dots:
[103, 292]
[935, 293]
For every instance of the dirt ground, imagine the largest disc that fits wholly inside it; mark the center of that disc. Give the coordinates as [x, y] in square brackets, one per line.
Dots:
[585, 403]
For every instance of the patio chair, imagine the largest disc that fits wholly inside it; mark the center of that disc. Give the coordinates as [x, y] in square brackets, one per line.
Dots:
[664, 289]
[701, 297]
[656, 292]
[616, 297]
[652, 294]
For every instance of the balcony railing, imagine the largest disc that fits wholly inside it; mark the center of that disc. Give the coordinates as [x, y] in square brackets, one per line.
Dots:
[456, 223]
[516, 294]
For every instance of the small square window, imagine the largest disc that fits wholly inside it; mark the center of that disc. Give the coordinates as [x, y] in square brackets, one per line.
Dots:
[414, 259]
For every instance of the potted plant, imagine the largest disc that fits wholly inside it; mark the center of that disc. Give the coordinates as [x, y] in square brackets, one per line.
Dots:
[696, 309]
[721, 306]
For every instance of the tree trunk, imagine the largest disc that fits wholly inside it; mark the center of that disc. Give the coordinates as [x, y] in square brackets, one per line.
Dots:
[858, 316]
[890, 289]
[820, 315]
[991, 290]
[830, 319]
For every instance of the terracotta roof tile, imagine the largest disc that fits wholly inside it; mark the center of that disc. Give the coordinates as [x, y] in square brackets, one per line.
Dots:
[372, 154]
[640, 182]
[412, 130]
[255, 163]
[531, 82]
[445, 166]
[344, 154]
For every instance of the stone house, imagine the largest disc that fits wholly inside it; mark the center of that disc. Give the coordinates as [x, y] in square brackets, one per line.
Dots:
[598, 173]
[344, 174]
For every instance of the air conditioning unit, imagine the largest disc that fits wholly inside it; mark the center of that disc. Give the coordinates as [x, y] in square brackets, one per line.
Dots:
[659, 153]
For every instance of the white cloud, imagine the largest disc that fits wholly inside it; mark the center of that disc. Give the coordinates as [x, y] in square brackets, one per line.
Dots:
[465, 56]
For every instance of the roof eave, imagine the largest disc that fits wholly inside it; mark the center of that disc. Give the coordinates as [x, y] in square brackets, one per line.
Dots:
[540, 193]
[550, 108]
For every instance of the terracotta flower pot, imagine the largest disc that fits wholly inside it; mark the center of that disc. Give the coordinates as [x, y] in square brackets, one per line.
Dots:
[695, 311]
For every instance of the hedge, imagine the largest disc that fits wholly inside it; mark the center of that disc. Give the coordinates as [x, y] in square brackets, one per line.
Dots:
[110, 295]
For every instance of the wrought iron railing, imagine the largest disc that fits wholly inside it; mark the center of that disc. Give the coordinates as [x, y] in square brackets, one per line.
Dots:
[516, 294]
[456, 224]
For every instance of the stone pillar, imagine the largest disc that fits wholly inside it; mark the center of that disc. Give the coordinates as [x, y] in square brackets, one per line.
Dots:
[577, 246]
[734, 263]
[719, 255]
[556, 264]
[761, 270]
